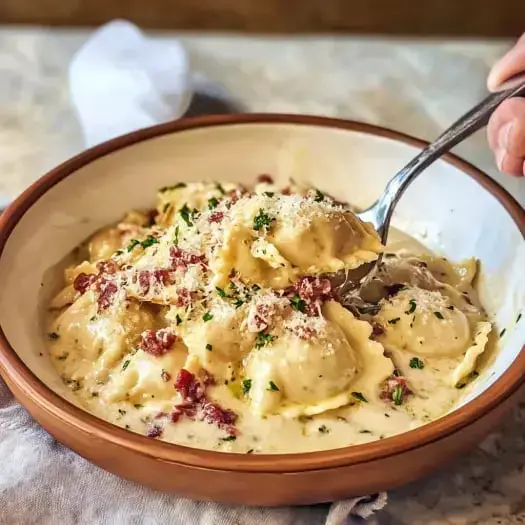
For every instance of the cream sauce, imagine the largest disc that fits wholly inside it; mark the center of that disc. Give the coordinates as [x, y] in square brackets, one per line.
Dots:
[136, 402]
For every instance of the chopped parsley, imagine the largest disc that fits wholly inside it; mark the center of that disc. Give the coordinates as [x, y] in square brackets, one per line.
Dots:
[178, 319]
[269, 193]
[298, 304]
[439, 315]
[246, 386]
[360, 397]
[138, 405]
[415, 362]
[220, 188]
[319, 196]
[473, 374]
[518, 318]
[166, 207]
[149, 241]
[119, 252]
[94, 394]
[238, 303]
[256, 287]
[323, 429]
[364, 431]
[121, 412]
[397, 395]
[461, 385]
[53, 335]
[132, 244]
[273, 387]
[213, 203]
[502, 333]
[412, 308]
[250, 451]
[125, 365]
[207, 317]
[262, 339]
[221, 292]
[176, 236]
[261, 221]
[209, 347]
[177, 186]
[229, 438]
[394, 320]
[186, 214]
[63, 357]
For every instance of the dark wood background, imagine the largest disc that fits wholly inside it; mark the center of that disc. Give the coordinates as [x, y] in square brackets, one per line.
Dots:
[492, 18]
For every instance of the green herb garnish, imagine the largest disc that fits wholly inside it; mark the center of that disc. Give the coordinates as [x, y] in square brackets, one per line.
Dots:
[439, 315]
[221, 292]
[148, 241]
[186, 214]
[53, 335]
[220, 188]
[397, 395]
[412, 308]
[319, 196]
[132, 244]
[269, 193]
[394, 321]
[229, 438]
[125, 365]
[261, 221]
[176, 236]
[518, 318]
[207, 317]
[246, 386]
[174, 187]
[298, 304]
[502, 333]
[166, 207]
[178, 319]
[209, 347]
[417, 363]
[360, 397]
[63, 357]
[238, 303]
[262, 339]
[213, 203]
[273, 387]
[121, 412]
[323, 429]
[138, 405]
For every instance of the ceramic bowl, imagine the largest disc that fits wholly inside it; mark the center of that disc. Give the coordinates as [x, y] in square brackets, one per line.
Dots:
[454, 208]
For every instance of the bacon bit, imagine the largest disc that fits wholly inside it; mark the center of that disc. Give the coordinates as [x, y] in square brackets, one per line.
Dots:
[107, 267]
[165, 376]
[157, 342]
[188, 386]
[304, 332]
[184, 297]
[155, 431]
[265, 178]
[146, 278]
[106, 290]
[182, 258]
[83, 281]
[196, 405]
[313, 291]
[391, 384]
[216, 216]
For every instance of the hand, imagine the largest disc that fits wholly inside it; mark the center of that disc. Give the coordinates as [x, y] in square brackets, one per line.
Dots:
[506, 129]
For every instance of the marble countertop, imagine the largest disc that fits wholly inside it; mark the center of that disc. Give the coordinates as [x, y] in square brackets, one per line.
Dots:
[412, 86]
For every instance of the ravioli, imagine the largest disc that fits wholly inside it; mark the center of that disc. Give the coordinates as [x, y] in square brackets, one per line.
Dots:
[215, 321]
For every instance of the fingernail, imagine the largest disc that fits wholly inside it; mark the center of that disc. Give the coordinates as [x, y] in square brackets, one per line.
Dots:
[503, 134]
[500, 157]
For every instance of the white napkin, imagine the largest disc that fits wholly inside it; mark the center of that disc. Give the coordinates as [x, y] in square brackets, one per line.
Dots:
[120, 81]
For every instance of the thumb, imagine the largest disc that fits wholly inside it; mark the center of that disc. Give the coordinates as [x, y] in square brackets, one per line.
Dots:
[511, 64]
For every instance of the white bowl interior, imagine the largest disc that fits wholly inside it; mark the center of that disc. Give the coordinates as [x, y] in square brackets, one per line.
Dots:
[445, 209]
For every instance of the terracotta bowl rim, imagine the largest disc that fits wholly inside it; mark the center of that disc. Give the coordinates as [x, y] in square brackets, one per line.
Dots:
[19, 374]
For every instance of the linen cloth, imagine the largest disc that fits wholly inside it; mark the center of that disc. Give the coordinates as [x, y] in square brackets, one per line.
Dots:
[120, 81]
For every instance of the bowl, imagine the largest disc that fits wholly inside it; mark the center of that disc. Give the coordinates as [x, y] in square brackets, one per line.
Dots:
[454, 208]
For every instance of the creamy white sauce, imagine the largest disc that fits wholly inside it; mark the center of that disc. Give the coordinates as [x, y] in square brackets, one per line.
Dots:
[357, 422]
